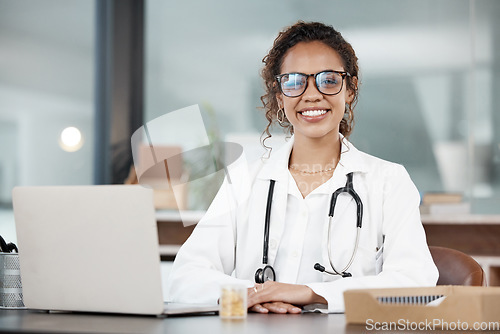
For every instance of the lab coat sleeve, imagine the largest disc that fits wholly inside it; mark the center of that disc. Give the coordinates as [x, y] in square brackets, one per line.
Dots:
[406, 256]
[206, 260]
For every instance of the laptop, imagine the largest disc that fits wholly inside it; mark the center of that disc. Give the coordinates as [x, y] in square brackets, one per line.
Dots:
[91, 249]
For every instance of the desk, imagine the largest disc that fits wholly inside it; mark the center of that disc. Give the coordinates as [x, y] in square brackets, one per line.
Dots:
[14, 321]
[173, 229]
[471, 234]
[476, 235]
[36, 322]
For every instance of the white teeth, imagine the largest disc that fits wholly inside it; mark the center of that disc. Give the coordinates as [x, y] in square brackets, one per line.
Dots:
[314, 112]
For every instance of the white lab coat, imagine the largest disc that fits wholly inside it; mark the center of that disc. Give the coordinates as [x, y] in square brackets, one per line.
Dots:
[226, 245]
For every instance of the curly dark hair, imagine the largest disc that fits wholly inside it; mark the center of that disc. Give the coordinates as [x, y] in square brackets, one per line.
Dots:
[289, 37]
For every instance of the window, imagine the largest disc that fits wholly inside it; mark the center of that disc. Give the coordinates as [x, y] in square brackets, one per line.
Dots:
[46, 86]
[429, 73]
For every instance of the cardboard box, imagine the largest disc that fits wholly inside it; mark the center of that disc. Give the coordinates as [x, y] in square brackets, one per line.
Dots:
[161, 168]
[445, 307]
[171, 198]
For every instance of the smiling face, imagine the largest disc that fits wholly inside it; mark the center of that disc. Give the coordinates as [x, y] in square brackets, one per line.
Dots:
[313, 114]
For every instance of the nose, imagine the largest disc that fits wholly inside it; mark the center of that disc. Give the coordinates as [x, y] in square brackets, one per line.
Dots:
[312, 93]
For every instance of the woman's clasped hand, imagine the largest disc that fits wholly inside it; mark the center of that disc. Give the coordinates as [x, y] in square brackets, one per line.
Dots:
[276, 297]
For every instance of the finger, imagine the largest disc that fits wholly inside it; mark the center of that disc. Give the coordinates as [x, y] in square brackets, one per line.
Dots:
[259, 309]
[289, 307]
[280, 307]
[293, 309]
[275, 307]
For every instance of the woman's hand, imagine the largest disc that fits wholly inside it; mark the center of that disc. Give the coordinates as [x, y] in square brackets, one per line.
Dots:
[275, 307]
[281, 297]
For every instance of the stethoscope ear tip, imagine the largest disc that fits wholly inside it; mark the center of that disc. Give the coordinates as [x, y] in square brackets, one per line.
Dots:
[319, 267]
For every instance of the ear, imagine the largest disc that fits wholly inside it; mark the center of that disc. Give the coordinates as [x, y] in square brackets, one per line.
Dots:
[350, 92]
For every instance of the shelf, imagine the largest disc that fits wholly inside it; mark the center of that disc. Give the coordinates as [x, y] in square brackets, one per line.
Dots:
[188, 217]
[169, 250]
[460, 219]
[194, 216]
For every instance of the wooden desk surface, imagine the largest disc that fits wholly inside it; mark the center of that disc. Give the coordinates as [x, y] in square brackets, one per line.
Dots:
[24, 321]
[12, 321]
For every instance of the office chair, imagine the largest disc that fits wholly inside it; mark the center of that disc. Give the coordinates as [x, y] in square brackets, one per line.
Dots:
[457, 268]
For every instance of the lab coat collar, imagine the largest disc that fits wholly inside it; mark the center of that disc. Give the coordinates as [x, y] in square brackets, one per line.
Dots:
[276, 166]
[351, 159]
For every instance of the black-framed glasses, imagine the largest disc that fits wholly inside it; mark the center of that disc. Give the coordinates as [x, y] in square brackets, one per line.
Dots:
[295, 84]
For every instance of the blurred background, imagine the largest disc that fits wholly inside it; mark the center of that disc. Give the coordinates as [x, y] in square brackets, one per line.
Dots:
[429, 97]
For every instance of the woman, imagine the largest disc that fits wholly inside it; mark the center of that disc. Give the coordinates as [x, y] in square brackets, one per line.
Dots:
[311, 77]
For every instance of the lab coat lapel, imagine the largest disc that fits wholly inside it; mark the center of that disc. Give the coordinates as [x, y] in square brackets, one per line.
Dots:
[276, 168]
[278, 216]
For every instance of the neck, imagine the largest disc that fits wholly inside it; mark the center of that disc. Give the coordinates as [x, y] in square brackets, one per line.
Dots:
[319, 152]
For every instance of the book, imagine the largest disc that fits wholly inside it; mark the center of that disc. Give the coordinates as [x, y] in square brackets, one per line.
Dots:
[445, 208]
[442, 197]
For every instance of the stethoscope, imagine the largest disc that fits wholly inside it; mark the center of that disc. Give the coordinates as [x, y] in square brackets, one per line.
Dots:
[267, 273]
[7, 247]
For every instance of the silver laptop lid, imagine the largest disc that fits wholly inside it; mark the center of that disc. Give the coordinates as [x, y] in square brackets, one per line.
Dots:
[88, 248]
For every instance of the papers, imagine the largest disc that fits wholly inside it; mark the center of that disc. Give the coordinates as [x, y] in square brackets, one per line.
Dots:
[411, 300]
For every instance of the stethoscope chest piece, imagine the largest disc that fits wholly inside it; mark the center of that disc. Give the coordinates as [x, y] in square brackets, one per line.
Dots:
[265, 274]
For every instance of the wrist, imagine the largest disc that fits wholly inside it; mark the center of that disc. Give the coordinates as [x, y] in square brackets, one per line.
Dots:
[315, 298]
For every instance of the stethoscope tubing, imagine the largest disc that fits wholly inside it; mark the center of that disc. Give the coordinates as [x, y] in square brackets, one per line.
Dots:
[267, 221]
[351, 260]
[359, 217]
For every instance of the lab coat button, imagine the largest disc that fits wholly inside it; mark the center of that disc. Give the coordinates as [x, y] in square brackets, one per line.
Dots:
[273, 243]
[295, 254]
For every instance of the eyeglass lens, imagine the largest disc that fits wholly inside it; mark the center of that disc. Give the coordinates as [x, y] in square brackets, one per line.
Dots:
[328, 82]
